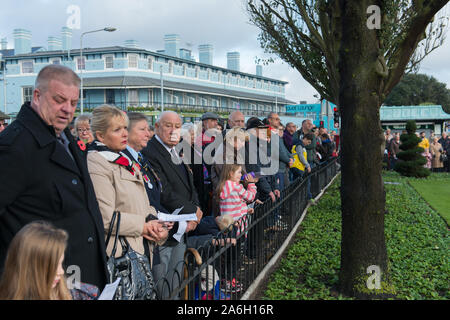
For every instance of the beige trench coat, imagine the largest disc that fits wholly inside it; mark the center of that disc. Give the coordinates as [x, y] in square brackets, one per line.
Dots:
[117, 189]
[435, 150]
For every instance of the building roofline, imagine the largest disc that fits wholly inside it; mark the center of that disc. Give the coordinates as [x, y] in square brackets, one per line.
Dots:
[122, 49]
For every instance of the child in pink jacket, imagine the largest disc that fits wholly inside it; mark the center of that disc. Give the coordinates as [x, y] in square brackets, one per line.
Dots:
[233, 196]
[233, 202]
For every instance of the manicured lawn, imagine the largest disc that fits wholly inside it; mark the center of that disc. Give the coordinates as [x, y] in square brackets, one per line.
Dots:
[417, 241]
[436, 193]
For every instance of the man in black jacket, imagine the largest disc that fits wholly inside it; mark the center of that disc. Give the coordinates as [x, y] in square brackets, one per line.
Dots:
[445, 143]
[45, 176]
[178, 191]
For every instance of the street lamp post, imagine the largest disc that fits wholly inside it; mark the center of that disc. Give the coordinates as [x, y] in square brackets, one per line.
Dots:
[162, 88]
[3, 65]
[83, 65]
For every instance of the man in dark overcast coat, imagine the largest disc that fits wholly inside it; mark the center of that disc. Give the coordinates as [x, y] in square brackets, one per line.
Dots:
[44, 176]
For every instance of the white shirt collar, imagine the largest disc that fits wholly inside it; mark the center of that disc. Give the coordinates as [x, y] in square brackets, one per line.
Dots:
[169, 149]
[133, 152]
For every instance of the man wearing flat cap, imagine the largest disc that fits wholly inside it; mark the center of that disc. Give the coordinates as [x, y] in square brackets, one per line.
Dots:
[267, 186]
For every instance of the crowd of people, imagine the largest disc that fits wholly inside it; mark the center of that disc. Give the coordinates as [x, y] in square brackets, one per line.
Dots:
[60, 187]
[435, 150]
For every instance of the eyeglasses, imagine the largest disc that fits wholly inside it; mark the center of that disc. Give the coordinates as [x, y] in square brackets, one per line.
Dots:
[82, 130]
[3, 125]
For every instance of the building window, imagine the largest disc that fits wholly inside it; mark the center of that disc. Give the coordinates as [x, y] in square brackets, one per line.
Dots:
[110, 96]
[170, 66]
[173, 98]
[184, 69]
[109, 62]
[27, 67]
[132, 61]
[133, 97]
[81, 63]
[55, 61]
[197, 72]
[27, 94]
[150, 63]
[150, 96]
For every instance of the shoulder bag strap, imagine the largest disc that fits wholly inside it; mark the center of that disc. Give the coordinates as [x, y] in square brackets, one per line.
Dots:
[111, 226]
[113, 252]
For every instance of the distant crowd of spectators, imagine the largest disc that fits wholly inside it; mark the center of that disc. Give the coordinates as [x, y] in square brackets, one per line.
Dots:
[435, 149]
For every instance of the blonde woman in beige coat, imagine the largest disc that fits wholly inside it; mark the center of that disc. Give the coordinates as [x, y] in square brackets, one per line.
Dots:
[119, 184]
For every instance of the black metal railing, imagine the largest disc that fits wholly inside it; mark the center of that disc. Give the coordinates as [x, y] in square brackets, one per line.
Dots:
[225, 266]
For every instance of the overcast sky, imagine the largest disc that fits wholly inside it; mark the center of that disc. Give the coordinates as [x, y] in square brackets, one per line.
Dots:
[222, 23]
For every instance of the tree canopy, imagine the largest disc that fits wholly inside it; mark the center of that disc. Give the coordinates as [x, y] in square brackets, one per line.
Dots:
[419, 89]
[307, 35]
[354, 52]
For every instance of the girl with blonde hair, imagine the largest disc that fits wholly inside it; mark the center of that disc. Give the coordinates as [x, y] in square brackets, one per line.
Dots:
[33, 268]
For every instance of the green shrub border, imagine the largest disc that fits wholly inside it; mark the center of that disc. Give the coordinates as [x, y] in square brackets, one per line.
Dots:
[417, 241]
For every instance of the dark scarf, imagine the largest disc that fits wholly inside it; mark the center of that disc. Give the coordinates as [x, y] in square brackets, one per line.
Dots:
[115, 157]
[287, 138]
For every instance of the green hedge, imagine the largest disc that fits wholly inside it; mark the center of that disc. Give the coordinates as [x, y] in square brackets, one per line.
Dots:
[417, 243]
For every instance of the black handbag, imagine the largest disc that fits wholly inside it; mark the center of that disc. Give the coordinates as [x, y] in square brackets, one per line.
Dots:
[134, 269]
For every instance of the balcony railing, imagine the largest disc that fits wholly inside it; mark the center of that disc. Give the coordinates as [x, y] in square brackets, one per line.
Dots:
[185, 108]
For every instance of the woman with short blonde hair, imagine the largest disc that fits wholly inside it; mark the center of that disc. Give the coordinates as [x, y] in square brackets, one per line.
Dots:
[33, 267]
[119, 183]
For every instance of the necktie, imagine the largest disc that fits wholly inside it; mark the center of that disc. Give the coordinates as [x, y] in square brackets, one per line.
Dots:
[175, 158]
[65, 146]
[142, 162]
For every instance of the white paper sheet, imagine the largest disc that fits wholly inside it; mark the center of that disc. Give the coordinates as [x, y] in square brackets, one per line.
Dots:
[182, 225]
[176, 218]
[110, 290]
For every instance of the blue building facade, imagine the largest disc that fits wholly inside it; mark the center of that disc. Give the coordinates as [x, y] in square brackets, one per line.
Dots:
[318, 113]
[130, 77]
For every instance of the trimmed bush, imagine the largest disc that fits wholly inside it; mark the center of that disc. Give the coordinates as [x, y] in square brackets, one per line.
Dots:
[410, 160]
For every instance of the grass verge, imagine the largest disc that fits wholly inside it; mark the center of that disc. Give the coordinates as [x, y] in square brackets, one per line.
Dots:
[436, 193]
[417, 240]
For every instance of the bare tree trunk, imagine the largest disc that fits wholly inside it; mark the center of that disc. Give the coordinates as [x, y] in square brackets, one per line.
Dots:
[363, 244]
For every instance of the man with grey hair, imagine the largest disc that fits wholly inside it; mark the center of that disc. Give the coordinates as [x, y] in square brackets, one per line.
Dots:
[45, 177]
[178, 191]
[274, 120]
[236, 119]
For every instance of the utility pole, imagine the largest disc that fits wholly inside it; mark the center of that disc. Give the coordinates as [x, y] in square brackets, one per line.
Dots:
[162, 88]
